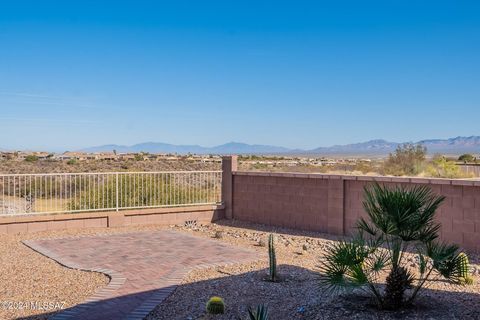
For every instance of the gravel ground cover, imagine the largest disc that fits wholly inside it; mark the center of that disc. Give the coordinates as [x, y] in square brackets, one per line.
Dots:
[28, 276]
[298, 296]
[32, 284]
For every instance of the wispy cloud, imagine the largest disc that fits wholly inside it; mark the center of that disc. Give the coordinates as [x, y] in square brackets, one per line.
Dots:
[27, 95]
[42, 121]
[39, 99]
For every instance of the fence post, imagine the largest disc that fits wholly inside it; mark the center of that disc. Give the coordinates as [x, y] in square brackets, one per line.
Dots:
[229, 165]
[116, 191]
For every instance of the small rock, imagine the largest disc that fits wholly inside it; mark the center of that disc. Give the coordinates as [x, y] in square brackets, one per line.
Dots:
[262, 242]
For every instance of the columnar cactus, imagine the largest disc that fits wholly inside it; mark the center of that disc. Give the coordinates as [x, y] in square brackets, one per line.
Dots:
[272, 259]
[215, 305]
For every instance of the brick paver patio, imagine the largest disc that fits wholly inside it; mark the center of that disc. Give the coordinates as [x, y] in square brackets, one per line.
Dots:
[144, 267]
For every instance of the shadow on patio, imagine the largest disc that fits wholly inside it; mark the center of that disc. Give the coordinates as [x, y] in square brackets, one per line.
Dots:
[296, 297]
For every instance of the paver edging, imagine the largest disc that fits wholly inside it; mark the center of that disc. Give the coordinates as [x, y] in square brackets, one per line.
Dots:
[116, 280]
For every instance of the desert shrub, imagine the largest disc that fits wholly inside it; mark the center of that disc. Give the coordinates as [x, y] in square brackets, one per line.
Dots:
[71, 162]
[260, 166]
[466, 158]
[364, 167]
[31, 158]
[440, 167]
[408, 159]
[401, 219]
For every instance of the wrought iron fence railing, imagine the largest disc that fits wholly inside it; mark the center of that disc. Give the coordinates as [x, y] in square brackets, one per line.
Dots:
[78, 192]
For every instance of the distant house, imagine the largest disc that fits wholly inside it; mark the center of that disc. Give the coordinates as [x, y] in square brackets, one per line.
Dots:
[91, 156]
[43, 155]
[80, 156]
[22, 155]
[8, 155]
[211, 160]
[67, 156]
[107, 156]
[126, 156]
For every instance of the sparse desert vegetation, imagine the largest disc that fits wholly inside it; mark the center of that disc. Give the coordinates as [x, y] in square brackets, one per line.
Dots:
[77, 166]
[407, 160]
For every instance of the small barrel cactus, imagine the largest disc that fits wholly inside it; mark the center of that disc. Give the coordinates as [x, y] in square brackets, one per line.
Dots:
[272, 259]
[462, 264]
[215, 305]
[463, 268]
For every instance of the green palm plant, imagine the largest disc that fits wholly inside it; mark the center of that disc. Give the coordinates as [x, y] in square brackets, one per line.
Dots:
[400, 220]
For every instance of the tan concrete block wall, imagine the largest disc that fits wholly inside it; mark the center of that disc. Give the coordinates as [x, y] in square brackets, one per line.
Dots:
[284, 201]
[459, 215]
[333, 203]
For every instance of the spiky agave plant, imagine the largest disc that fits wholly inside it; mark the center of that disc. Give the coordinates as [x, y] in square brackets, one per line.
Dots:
[401, 219]
[259, 313]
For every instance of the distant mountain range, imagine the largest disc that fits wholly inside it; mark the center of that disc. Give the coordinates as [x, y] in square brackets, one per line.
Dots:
[157, 147]
[374, 147]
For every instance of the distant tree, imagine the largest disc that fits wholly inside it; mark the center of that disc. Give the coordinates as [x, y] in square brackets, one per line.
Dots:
[31, 158]
[408, 159]
[114, 152]
[441, 167]
[71, 161]
[138, 157]
[467, 157]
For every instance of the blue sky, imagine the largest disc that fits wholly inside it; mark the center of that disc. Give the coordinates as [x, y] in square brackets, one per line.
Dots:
[299, 74]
